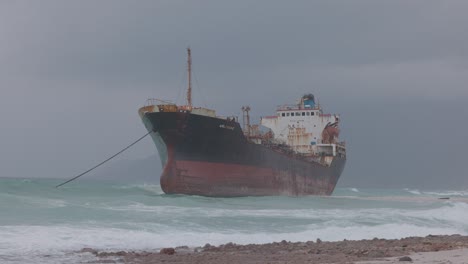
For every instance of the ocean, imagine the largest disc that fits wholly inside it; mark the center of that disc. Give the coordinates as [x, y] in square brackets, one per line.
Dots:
[42, 224]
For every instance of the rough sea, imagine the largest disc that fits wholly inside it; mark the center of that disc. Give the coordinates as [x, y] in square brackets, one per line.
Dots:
[42, 224]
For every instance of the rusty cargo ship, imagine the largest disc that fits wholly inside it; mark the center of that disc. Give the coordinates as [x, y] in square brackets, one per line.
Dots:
[295, 152]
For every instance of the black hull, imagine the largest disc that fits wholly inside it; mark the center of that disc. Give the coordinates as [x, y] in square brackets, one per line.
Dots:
[209, 156]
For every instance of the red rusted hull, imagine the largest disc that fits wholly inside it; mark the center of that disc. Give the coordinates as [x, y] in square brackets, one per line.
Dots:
[230, 180]
[201, 157]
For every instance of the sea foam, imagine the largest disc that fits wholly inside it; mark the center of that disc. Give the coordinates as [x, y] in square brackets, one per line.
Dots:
[38, 220]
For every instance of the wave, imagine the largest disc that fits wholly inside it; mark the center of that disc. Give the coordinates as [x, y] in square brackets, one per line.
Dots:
[40, 202]
[455, 213]
[100, 215]
[445, 214]
[56, 239]
[413, 191]
[150, 188]
[448, 193]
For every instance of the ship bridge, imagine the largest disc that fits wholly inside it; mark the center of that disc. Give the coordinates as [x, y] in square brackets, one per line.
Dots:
[305, 128]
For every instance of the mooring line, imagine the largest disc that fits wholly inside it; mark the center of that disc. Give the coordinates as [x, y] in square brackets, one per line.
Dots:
[113, 156]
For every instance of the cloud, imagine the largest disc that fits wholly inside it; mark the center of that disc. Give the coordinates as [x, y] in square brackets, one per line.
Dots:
[113, 42]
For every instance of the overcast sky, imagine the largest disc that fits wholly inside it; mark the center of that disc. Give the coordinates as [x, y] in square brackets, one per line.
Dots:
[74, 73]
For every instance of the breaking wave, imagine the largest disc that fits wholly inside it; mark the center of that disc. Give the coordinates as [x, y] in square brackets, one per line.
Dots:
[413, 191]
[445, 193]
[39, 220]
[448, 193]
[149, 188]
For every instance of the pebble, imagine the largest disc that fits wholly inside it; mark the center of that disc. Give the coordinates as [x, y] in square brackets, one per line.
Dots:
[405, 258]
[167, 251]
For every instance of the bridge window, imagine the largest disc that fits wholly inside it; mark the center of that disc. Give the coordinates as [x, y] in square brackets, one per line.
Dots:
[283, 114]
[287, 114]
[298, 114]
[312, 113]
[308, 113]
[292, 114]
[303, 113]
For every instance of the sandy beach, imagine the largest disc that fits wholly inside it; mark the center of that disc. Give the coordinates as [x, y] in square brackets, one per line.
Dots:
[429, 249]
[455, 256]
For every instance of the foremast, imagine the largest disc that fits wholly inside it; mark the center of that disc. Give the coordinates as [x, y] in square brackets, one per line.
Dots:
[157, 105]
[189, 70]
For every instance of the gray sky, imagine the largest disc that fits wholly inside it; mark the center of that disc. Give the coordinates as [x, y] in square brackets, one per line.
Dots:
[74, 73]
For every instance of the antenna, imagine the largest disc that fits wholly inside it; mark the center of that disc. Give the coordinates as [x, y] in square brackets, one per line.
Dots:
[189, 68]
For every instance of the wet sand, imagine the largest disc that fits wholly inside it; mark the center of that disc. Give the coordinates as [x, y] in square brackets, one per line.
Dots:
[449, 249]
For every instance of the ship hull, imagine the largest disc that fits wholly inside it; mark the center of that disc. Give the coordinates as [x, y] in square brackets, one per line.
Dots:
[209, 156]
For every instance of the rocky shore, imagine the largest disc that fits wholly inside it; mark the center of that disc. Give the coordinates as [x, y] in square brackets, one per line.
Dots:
[289, 252]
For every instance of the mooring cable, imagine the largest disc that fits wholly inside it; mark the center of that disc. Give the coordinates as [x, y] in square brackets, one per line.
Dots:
[113, 156]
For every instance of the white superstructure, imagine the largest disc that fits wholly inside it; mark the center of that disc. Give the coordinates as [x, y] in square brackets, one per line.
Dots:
[305, 128]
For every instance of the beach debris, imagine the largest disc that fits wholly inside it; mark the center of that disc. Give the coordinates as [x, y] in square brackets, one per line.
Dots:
[207, 245]
[405, 258]
[167, 251]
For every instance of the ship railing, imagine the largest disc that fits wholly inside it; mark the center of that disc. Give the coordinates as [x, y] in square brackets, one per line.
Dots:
[287, 107]
[229, 118]
[341, 144]
[341, 149]
[154, 101]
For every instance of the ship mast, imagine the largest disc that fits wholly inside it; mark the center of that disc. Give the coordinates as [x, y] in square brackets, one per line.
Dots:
[189, 68]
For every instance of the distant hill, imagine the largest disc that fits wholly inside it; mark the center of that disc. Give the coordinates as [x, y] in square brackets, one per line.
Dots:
[147, 170]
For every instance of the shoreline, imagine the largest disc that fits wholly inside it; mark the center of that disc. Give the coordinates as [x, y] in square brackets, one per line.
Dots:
[346, 251]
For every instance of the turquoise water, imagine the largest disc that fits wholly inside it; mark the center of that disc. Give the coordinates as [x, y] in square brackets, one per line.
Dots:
[38, 221]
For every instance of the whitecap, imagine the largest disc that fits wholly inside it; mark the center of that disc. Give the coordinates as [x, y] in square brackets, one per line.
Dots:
[39, 202]
[413, 191]
[151, 188]
[447, 193]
